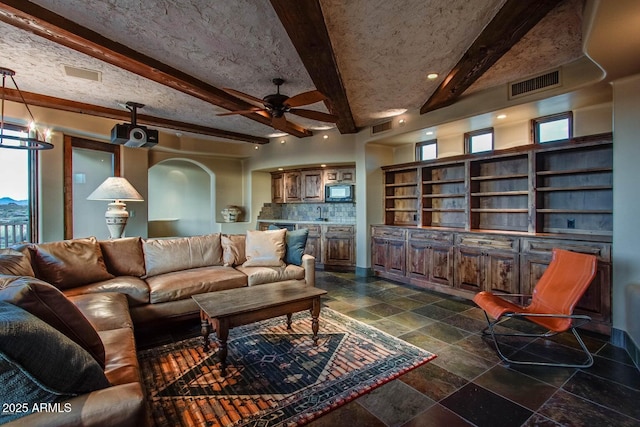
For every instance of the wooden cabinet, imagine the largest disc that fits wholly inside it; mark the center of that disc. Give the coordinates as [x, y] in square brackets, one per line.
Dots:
[388, 252]
[314, 241]
[487, 263]
[277, 187]
[335, 176]
[338, 244]
[430, 258]
[292, 187]
[444, 195]
[313, 185]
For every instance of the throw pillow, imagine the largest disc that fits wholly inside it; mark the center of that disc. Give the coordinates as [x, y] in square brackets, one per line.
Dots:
[70, 263]
[123, 257]
[50, 305]
[233, 249]
[265, 248]
[15, 262]
[39, 364]
[296, 241]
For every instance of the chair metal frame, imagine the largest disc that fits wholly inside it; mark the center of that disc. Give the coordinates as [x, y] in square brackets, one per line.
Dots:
[489, 330]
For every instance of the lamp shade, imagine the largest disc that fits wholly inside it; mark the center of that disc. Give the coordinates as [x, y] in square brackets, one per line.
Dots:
[116, 188]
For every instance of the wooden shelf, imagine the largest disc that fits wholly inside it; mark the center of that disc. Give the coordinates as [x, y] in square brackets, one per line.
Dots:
[573, 171]
[442, 210]
[576, 188]
[497, 177]
[443, 196]
[500, 210]
[402, 184]
[575, 211]
[501, 193]
[400, 210]
[401, 197]
[445, 181]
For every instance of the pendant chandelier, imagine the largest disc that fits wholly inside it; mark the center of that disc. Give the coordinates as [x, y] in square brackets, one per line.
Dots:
[33, 139]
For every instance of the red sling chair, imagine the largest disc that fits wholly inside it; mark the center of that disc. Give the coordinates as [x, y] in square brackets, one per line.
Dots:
[554, 298]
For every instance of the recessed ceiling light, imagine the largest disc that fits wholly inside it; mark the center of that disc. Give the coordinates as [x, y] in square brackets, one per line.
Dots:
[430, 133]
[280, 169]
[325, 136]
[323, 165]
[432, 76]
[282, 141]
[402, 122]
[501, 116]
[257, 147]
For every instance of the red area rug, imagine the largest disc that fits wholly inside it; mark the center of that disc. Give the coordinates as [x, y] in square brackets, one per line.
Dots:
[275, 377]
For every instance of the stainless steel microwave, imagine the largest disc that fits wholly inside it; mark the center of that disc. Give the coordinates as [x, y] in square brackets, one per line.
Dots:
[339, 193]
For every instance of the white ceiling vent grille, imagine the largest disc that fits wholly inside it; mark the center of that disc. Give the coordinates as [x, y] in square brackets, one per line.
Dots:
[382, 127]
[535, 84]
[82, 73]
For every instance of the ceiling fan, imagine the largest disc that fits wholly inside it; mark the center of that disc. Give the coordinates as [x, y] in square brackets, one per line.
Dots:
[277, 104]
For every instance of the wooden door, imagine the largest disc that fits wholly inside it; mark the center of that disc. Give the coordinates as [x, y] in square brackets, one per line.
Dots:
[312, 186]
[378, 254]
[314, 241]
[502, 272]
[469, 268]
[292, 187]
[418, 260]
[277, 188]
[396, 257]
[441, 264]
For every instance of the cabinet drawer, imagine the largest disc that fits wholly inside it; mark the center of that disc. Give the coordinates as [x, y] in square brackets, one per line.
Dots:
[340, 229]
[503, 243]
[389, 233]
[437, 236]
[314, 230]
[544, 247]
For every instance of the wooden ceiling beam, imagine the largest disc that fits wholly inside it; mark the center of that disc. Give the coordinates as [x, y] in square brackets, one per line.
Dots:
[44, 23]
[506, 29]
[34, 99]
[304, 22]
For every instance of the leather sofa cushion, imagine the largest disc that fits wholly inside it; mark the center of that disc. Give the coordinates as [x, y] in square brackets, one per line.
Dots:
[105, 311]
[49, 304]
[40, 364]
[123, 257]
[122, 362]
[183, 284]
[135, 289]
[167, 255]
[261, 275]
[265, 248]
[70, 263]
[16, 261]
[233, 249]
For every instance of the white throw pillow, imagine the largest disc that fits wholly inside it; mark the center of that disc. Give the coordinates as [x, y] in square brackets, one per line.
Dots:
[265, 248]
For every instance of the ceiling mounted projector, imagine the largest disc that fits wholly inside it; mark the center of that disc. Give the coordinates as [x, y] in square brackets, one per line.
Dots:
[133, 134]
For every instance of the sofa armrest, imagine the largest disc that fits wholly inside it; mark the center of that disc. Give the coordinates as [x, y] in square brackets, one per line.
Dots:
[309, 265]
[121, 405]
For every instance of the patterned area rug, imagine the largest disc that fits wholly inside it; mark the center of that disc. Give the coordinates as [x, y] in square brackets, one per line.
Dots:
[275, 376]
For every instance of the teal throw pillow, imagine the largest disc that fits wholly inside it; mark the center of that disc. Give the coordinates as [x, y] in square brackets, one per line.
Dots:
[38, 364]
[295, 241]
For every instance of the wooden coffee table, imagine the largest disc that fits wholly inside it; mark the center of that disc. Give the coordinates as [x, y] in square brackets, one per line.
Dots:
[222, 310]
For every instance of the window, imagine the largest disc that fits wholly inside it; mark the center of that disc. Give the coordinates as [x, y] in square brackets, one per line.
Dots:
[17, 204]
[553, 128]
[479, 141]
[427, 150]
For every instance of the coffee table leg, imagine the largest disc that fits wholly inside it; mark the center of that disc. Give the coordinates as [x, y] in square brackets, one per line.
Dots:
[289, 320]
[206, 330]
[315, 324]
[223, 335]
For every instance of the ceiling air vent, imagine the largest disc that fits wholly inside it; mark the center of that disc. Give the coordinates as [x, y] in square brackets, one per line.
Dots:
[381, 127]
[82, 73]
[535, 84]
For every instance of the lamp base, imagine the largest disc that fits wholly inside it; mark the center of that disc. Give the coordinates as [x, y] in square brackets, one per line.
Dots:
[116, 217]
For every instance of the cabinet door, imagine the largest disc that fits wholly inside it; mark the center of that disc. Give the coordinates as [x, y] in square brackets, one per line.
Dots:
[378, 254]
[418, 260]
[441, 264]
[502, 272]
[469, 269]
[312, 186]
[338, 250]
[314, 241]
[396, 257]
[292, 187]
[334, 176]
[277, 188]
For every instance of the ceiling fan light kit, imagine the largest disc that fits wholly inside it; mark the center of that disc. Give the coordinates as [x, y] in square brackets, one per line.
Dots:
[276, 105]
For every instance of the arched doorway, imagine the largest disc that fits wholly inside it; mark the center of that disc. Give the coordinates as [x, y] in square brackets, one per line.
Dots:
[181, 199]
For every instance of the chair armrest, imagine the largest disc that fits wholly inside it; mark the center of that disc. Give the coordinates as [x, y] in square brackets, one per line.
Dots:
[309, 265]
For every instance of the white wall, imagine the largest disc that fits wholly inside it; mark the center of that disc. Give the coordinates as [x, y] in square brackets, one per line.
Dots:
[626, 200]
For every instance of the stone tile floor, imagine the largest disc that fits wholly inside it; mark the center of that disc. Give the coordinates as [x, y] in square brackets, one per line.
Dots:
[467, 384]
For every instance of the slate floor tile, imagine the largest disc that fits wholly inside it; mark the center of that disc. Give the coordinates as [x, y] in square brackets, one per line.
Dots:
[395, 403]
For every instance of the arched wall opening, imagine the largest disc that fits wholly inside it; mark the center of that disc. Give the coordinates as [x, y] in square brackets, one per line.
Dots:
[181, 199]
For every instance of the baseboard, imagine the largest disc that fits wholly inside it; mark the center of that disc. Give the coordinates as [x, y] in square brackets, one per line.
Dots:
[364, 271]
[621, 339]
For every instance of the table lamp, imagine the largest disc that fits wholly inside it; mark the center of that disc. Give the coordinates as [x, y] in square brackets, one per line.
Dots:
[118, 190]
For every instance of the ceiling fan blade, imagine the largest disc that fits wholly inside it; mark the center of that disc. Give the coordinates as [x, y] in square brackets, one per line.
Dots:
[314, 115]
[253, 110]
[279, 123]
[305, 98]
[244, 95]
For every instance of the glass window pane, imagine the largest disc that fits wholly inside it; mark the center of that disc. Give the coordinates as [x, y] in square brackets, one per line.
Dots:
[553, 131]
[480, 143]
[428, 152]
[14, 195]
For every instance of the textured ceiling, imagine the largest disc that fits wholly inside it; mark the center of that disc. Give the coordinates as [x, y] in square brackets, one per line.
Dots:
[383, 49]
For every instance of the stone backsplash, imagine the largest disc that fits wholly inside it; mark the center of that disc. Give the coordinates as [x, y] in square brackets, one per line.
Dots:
[337, 212]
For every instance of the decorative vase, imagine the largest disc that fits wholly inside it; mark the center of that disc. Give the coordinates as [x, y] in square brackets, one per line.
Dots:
[231, 213]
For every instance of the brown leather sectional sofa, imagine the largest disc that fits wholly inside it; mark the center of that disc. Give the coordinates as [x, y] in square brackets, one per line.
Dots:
[94, 292]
